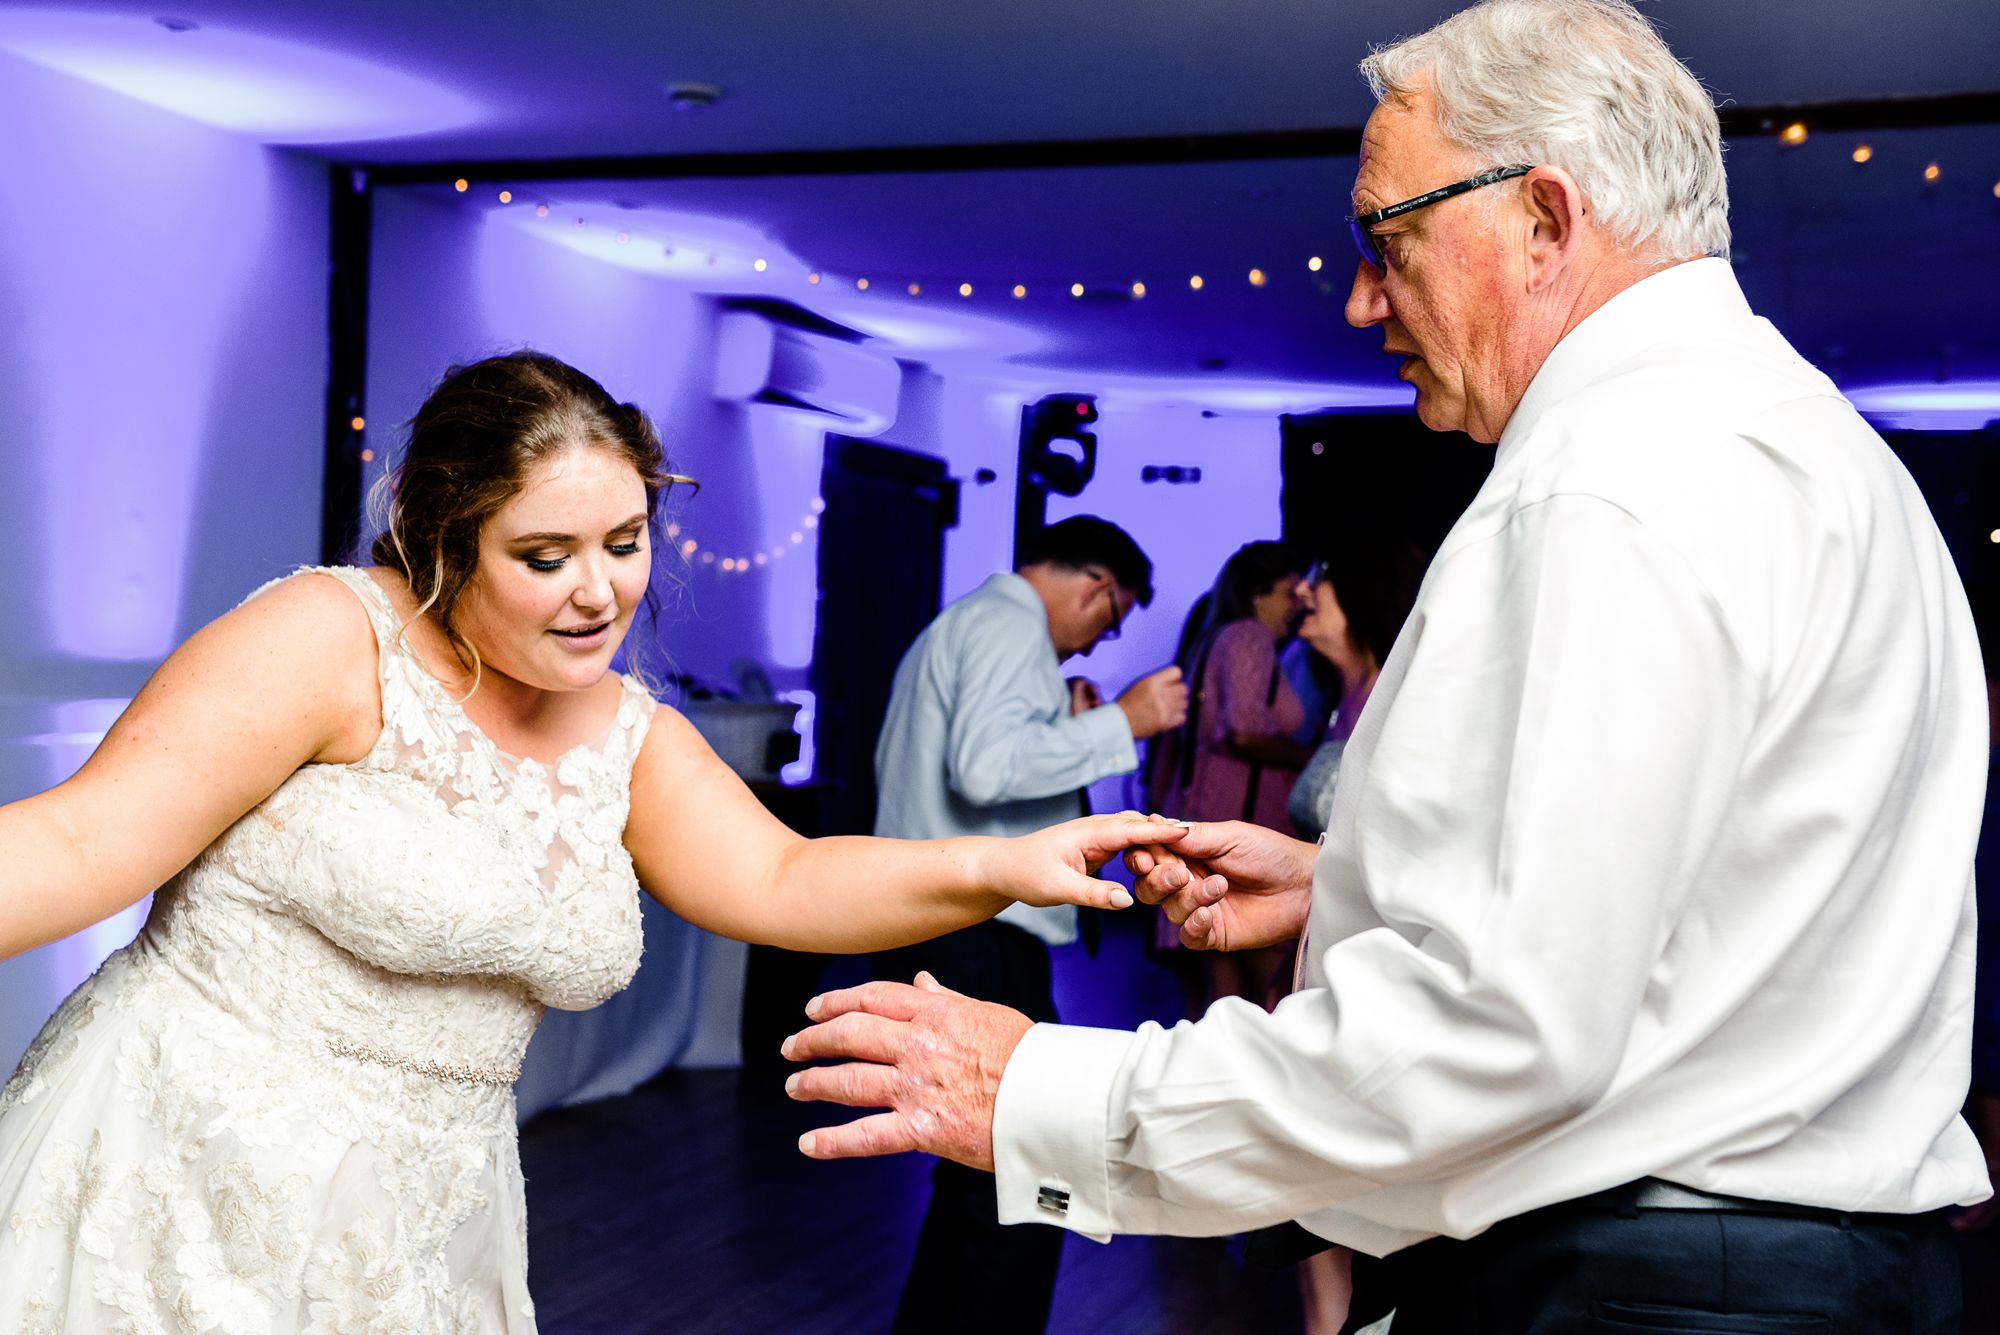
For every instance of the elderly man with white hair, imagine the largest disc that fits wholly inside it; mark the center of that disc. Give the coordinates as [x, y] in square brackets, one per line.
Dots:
[1637, 966]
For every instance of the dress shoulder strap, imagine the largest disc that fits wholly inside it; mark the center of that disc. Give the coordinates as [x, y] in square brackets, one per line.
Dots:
[391, 656]
[636, 706]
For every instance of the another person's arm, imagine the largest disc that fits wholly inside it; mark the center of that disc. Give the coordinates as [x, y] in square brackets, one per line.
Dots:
[706, 848]
[1002, 745]
[286, 679]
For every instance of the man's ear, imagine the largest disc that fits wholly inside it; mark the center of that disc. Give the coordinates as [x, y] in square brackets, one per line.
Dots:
[1557, 216]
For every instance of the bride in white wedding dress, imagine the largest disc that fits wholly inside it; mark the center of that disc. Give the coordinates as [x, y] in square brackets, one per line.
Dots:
[398, 811]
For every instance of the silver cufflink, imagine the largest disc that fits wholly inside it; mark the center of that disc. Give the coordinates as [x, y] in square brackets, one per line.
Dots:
[1053, 1199]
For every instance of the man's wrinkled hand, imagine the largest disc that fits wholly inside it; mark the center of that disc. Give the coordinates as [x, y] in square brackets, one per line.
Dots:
[930, 1056]
[1228, 885]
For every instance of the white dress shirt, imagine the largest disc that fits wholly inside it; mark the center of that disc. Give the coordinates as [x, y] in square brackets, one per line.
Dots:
[1651, 854]
[979, 739]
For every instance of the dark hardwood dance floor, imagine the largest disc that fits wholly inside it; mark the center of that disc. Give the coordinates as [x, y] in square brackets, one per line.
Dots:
[685, 1207]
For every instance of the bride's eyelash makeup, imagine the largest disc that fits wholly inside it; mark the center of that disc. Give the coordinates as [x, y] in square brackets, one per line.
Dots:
[548, 565]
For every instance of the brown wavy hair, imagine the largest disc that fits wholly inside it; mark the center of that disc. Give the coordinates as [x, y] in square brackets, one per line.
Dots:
[479, 437]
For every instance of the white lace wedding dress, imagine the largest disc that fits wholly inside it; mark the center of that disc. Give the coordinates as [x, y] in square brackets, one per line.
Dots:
[288, 1105]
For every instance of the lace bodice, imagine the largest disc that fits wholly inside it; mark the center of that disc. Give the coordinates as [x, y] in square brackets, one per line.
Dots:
[347, 977]
[434, 894]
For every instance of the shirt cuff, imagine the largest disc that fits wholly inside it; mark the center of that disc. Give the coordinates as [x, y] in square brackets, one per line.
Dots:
[1111, 741]
[1051, 1160]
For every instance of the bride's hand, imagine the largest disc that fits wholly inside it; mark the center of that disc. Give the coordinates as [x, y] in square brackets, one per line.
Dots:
[1059, 865]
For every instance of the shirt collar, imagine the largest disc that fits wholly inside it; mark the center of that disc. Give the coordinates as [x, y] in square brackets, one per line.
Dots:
[1015, 589]
[1685, 299]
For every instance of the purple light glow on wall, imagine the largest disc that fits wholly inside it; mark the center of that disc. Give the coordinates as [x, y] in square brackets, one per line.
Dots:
[269, 89]
[133, 315]
[1964, 405]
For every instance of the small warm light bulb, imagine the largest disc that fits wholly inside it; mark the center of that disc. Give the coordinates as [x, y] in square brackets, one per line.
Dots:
[813, 278]
[1862, 152]
[798, 537]
[1138, 289]
[760, 266]
[1793, 134]
[506, 196]
[1994, 536]
[810, 521]
[818, 505]
[1256, 278]
[1019, 291]
[623, 237]
[367, 456]
[461, 185]
[861, 283]
[762, 558]
[541, 210]
[1195, 282]
[916, 289]
[1931, 173]
[1076, 289]
[1313, 264]
[1996, 190]
[689, 547]
[673, 530]
[965, 289]
[358, 423]
[708, 558]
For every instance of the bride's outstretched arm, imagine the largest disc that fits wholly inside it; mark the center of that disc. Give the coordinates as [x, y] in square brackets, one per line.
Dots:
[285, 679]
[706, 848]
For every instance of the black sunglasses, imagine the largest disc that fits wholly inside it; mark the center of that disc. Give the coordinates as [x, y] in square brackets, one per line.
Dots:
[1363, 227]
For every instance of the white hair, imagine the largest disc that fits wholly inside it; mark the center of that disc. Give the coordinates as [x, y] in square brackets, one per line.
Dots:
[1585, 85]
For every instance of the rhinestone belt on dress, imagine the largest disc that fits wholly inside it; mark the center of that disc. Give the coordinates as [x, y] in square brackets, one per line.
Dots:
[471, 1075]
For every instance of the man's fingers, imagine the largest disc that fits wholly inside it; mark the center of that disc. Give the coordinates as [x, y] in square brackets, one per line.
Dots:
[897, 1001]
[1197, 931]
[883, 1133]
[1180, 906]
[869, 1038]
[927, 982]
[856, 1084]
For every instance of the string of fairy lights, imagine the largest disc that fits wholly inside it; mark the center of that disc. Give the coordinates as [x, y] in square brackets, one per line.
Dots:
[933, 285]
[735, 561]
[1863, 153]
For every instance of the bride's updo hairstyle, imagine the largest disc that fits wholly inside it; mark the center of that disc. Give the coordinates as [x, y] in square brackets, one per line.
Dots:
[475, 443]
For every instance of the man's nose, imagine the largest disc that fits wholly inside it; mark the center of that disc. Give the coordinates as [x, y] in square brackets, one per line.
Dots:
[1367, 304]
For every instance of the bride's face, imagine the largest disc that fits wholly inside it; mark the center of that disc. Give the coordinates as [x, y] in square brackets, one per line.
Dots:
[561, 567]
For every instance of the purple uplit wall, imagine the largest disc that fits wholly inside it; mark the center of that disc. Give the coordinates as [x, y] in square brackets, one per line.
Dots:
[161, 371]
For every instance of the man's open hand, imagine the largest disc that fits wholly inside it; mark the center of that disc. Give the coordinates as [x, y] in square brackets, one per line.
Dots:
[932, 1057]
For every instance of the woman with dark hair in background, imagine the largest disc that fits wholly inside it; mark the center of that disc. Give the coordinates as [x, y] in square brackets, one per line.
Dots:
[1237, 756]
[397, 811]
[1356, 598]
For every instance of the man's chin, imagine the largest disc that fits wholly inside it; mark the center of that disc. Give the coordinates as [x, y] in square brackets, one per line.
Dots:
[1437, 412]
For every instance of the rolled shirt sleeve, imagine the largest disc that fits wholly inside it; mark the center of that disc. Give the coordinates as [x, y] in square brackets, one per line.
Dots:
[1490, 911]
